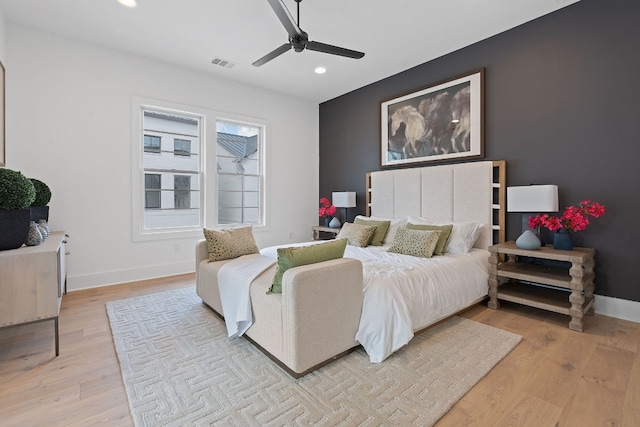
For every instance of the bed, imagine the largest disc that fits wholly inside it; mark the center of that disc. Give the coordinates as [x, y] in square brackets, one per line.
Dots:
[393, 295]
[404, 294]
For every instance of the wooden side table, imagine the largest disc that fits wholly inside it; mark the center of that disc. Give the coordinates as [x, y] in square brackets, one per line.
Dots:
[317, 229]
[32, 282]
[521, 278]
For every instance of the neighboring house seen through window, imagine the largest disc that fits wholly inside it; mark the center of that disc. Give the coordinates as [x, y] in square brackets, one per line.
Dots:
[151, 191]
[181, 147]
[171, 164]
[240, 174]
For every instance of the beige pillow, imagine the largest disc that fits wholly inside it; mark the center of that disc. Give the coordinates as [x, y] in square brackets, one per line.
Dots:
[356, 234]
[420, 243]
[231, 243]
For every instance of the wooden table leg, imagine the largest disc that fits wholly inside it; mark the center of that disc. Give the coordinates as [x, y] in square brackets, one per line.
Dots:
[576, 298]
[493, 281]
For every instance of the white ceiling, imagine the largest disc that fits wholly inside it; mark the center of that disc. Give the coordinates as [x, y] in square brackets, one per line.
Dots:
[395, 35]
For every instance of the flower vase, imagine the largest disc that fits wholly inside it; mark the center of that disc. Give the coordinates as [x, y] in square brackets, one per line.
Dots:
[327, 220]
[563, 240]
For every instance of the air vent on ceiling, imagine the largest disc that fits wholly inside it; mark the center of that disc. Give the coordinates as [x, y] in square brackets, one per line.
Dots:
[222, 62]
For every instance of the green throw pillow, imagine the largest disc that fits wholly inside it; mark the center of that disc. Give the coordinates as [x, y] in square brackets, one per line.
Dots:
[419, 243]
[445, 232]
[381, 229]
[297, 256]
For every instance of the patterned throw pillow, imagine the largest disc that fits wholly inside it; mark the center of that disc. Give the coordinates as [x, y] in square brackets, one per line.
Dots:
[420, 243]
[445, 231]
[232, 243]
[357, 235]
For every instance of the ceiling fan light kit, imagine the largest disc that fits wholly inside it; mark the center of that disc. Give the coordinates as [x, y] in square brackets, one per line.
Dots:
[298, 39]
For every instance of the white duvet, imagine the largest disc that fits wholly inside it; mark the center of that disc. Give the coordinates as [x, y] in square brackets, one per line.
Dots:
[403, 294]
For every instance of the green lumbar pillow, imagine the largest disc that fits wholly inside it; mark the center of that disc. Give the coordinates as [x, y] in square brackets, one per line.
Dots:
[297, 256]
[445, 232]
[381, 229]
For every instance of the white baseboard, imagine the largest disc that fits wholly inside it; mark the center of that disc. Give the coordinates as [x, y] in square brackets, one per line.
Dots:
[607, 306]
[617, 307]
[106, 278]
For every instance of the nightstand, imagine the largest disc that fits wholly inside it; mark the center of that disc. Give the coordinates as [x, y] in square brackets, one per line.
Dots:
[516, 281]
[317, 229]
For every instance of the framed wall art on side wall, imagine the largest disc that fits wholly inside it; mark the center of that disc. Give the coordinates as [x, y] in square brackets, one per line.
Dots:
[3, 150]
[442, 122]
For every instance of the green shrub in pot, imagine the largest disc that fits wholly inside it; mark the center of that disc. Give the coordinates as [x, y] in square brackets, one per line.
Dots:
[43, 193]
[17, 193]
[39, 208]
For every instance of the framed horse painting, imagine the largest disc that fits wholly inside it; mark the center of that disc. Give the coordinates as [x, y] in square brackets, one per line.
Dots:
[438, 123]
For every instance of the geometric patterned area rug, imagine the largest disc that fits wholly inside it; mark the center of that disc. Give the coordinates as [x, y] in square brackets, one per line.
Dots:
[179, 368]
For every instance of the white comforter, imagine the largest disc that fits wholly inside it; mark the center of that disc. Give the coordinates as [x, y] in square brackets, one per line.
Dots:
[403, 293]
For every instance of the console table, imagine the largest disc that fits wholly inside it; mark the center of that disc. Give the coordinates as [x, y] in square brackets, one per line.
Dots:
[521, 278]
[32, 282]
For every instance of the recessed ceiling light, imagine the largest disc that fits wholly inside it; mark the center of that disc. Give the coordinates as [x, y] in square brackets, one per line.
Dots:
[128, 3]
[320, 70]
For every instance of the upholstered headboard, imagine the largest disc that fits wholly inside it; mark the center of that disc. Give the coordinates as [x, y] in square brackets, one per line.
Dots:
[473, 191]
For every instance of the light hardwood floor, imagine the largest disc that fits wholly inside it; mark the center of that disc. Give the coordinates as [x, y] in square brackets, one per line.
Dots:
[554, 377]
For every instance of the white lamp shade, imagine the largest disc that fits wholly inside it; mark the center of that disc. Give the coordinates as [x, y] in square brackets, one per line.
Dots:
[532, 198]
[344, 199]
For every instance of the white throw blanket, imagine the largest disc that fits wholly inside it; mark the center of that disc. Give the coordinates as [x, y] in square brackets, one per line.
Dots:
[234, 282]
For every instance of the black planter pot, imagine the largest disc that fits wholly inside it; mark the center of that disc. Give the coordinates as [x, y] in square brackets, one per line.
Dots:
[39, 212]
[14, 227]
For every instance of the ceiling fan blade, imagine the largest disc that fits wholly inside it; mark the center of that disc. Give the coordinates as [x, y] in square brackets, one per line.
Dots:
[273, 54]
[334, 50]
[285, 17]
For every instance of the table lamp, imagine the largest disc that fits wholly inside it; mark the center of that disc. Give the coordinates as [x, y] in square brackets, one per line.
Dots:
[344, 199]
[532, 199]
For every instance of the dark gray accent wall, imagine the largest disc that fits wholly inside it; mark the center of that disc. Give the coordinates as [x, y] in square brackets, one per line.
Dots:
[562, 106]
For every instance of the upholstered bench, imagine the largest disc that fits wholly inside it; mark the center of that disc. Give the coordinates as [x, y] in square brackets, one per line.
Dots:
[312, 322]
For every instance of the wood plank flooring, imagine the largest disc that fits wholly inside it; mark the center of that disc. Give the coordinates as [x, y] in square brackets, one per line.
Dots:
[555, 377]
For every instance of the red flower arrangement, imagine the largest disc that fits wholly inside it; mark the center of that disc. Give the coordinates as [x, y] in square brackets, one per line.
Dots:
[574, 218]
[327, 209]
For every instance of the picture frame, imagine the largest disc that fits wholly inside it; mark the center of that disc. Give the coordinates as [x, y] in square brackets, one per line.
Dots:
[3, 152]
[438, 123]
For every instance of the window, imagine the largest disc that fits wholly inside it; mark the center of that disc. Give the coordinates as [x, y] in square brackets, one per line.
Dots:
[151, 144]
[239, 165]
[181, 147]
[171, 168]
[173, 179]
[182, 191]
[151, 191]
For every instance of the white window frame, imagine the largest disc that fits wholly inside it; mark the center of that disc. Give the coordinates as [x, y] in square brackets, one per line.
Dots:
[207, 181]
[139, 105]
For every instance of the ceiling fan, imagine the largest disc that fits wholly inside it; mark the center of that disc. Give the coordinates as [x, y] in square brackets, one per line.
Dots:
[298, 39]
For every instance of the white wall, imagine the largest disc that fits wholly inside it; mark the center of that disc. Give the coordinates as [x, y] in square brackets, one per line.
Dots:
[3, 38]
[69, 125]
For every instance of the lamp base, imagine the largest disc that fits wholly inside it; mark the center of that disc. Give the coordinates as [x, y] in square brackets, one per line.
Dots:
[528, 240]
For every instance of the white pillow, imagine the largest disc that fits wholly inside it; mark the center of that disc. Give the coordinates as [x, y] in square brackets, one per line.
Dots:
[462, 238]
[393, 227]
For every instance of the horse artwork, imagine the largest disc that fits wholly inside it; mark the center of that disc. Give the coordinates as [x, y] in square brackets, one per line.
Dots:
[437, 123]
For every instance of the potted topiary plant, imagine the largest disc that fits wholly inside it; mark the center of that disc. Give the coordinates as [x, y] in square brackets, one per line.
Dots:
[16, 195]
[39, 208]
